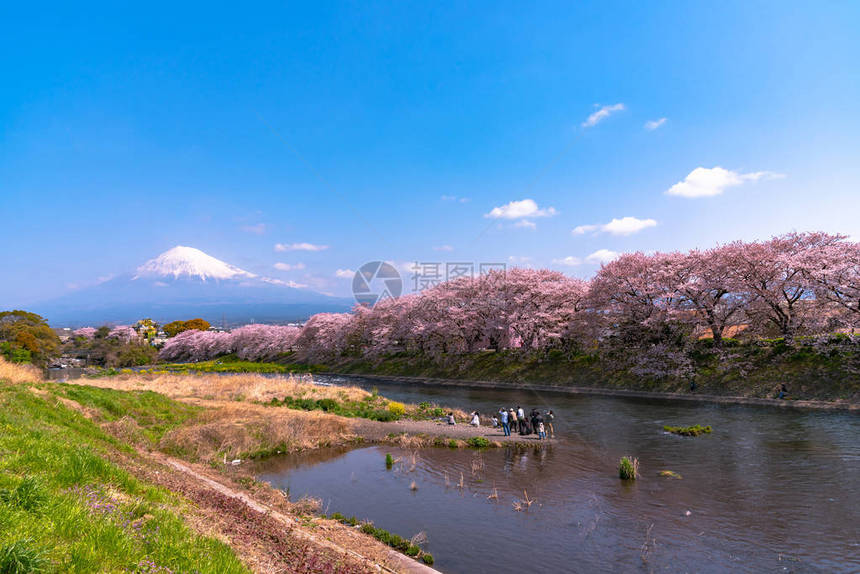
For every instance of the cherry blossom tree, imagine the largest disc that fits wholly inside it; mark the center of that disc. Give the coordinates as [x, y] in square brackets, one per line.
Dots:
[85, 332]
[634, 292]
[263, 342]
[324, 335]
[778, 277]
[124, 333]
[835, 271]
[196, 345]
[541, 305]
[706, 289]
[650, 303]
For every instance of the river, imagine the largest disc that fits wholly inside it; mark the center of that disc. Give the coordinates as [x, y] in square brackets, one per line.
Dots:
[770, 490]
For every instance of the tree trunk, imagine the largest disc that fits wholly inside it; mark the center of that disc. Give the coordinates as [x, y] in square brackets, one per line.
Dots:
[718, 336]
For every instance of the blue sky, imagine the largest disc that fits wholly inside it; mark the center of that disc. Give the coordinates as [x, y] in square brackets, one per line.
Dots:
[393, 131]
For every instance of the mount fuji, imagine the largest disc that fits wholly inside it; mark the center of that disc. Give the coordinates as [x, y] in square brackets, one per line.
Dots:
[185, 282]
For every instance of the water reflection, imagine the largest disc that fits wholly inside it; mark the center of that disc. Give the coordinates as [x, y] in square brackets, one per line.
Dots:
[769, 490]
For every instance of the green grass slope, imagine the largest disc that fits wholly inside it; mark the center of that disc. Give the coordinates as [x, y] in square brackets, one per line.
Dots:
[65, 507]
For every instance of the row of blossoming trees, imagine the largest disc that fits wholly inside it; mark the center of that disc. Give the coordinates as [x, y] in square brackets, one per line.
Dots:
[795, 284]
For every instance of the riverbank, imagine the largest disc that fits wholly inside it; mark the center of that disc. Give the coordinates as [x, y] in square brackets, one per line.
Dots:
[814, 373]
[253, 416]
[572, 390]
[88, 482]
[813, 370]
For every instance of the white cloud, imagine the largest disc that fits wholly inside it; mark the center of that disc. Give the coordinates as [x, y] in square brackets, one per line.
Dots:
[443, 248]
[602, 256]
[289, 266]
[455, 198]
[519, 259]
[525, 208]
[652, 125]
[628, 225]
[257, 229]
[583, 229]
[290, 283]
[299, 247]
[601, 114]
[618, 226]
[526, 224]
[344, 273]
[570, 261]
[705, 182]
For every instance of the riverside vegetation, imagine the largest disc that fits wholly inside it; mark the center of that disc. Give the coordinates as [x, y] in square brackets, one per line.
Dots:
[628, 468]
[64, 507]
[738, 319]
[79, 491]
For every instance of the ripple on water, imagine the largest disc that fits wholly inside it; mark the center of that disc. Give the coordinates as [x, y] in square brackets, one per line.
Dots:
[769, 489]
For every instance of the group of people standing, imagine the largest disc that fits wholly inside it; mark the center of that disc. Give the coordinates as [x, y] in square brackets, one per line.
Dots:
[515, 420]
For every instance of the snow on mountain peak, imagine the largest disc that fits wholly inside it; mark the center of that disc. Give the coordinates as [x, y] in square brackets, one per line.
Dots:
[184, 261]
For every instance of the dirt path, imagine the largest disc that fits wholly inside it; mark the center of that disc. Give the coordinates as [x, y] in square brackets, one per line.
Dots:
[270, 534]
[376, 431]
[259, 526]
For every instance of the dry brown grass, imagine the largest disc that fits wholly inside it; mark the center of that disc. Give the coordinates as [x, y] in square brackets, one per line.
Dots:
[17, 374]
[237, 430]
[237, 387]
[410, 441]
[236, 424]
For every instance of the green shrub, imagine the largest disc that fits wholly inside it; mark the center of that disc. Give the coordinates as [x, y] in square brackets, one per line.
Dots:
[555, 355]
[15, 354]
[389, 460]
[381, 415]
[694, 430]
[452, 443]
[427, 559]
[628, 468]
[20, 557]
[327, 404]
[397, 542]
[478, 442]
[393, 540]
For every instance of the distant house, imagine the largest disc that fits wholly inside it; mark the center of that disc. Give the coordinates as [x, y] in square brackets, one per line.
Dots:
[64, 334]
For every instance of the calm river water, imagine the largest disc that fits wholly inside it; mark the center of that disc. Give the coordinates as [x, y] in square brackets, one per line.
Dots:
[770, 490]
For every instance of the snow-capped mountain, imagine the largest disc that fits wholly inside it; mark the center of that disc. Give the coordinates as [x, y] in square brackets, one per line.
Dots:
[184, 261]
[185, 282]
